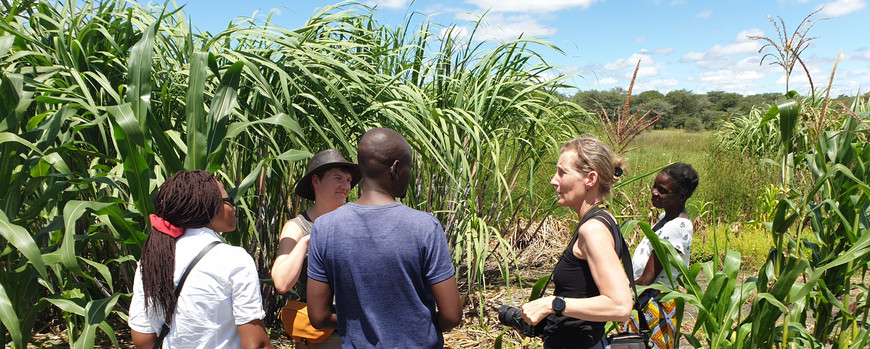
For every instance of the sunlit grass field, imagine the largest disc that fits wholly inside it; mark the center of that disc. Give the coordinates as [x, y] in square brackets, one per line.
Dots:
[726, 197]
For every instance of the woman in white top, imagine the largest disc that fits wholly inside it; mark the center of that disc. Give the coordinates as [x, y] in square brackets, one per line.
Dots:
[327, 182]
[673, 186]
[220, 304]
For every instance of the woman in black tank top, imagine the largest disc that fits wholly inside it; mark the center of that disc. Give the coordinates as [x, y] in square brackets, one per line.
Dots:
[591, 287]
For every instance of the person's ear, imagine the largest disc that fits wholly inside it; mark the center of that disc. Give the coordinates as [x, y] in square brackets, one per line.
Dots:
[394, 170]
[315, 182]
[591, 179]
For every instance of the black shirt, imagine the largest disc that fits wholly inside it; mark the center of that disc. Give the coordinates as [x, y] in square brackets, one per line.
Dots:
[573, 279]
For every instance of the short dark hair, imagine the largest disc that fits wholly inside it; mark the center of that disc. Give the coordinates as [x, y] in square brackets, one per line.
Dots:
[378, 148]
[685, 176]
[320, 172]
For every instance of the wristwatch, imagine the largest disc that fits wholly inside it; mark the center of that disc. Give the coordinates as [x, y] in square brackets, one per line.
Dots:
[558, 305]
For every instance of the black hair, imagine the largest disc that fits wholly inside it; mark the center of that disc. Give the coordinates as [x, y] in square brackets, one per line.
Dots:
[685, 176]
[186, 200]
[322, 171]
[379, 148]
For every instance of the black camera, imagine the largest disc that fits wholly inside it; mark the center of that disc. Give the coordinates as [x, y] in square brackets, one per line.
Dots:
[513, 317]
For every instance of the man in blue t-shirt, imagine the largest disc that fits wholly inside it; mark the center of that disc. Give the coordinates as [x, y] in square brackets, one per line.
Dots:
[388, 264]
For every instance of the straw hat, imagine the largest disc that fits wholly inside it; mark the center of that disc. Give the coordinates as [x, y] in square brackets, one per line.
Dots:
[325, 160]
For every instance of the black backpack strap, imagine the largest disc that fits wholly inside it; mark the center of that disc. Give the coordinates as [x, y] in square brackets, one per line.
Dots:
[165, 329]
[625, 257]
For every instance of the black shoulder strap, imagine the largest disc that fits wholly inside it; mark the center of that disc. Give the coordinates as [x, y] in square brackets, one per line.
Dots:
[589, 214]
[625, 257]
[165, 329]
[305, 215]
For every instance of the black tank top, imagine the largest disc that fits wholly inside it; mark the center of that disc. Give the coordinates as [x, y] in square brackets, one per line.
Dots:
[573, 279]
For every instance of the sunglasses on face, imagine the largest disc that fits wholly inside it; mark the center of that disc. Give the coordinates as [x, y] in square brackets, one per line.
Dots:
[229, 200]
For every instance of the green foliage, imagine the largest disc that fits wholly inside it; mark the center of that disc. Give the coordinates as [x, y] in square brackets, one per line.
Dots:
[659, 106]
[102, 101]
[729, 180]
[823, 183]
[723, 101]
[752, 134]
[752, 241]
[693, 125]
[719, 304]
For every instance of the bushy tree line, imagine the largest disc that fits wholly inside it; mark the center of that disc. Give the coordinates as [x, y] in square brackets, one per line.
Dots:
[682, 108]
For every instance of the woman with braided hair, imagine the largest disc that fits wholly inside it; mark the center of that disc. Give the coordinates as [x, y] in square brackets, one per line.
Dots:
[219, 305]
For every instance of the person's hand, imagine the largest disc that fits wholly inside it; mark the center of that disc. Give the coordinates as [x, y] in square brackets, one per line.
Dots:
[537, 310]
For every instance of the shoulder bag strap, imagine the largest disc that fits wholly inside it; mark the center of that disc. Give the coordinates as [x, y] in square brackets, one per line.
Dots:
[165, 329]
[589, 214]
[305, 215]
[626, 265]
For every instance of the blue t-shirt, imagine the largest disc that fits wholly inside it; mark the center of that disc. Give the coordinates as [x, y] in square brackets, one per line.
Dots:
[380, 262]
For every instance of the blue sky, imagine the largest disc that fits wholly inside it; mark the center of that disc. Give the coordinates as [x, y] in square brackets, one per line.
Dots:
[699, 46]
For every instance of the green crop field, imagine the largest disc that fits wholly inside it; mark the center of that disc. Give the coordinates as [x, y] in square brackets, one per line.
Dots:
[103, 100]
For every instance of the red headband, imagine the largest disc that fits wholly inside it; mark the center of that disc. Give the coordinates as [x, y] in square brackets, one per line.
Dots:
[165, 227]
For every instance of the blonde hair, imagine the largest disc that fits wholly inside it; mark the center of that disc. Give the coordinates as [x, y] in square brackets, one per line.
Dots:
[592, 155]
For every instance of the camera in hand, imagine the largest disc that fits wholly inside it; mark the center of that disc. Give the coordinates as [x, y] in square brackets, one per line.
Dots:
[513, 317]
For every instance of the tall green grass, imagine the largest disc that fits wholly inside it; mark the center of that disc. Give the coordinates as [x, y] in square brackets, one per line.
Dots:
[103, 100]
[729, 185]
[819, 244]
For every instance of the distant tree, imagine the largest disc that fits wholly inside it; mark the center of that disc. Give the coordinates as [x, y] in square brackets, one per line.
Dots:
[711, 119]
[683, 102]
[763, 100]
[723, 101]
[659, 107]
[650, 95]
[694, 124]
[685, 105]
[595, 100]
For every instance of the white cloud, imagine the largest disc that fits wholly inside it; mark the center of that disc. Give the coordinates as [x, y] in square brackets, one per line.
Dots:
[608, 81]
[866, 54]
[730, 75]
[621, 71]
[851, 82]
[497, 26]
[842, 7]
[693, 56]
[721, 56]
[641, 38]
[704, 14]
[539, 6]
[630, 62]
[663, 51]
[456, 32]
[644, 71]
[744, 82]
[389, 4]
[661, 85]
